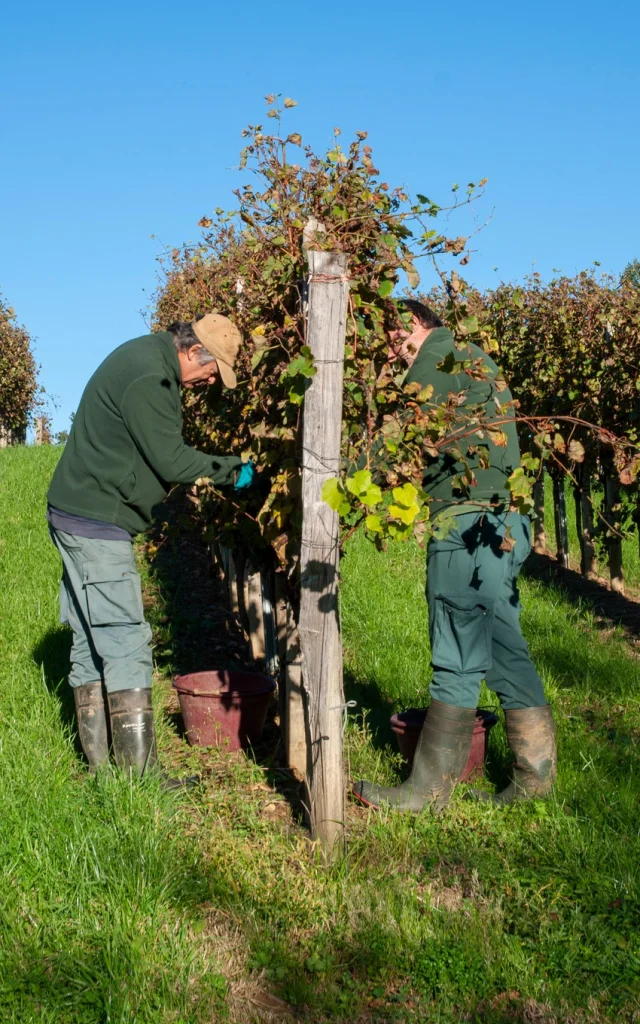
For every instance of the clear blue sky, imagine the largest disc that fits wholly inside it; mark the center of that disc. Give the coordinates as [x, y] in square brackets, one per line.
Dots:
[122, 120]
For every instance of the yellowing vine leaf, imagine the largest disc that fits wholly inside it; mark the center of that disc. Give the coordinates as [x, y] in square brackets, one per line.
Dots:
[373, 523]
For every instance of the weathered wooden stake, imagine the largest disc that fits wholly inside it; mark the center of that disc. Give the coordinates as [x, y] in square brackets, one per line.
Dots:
[270, 624]
[614, 544]
[560, 511]
[254, 613]
[318, 624]
[291, 698]
[539, 533]
[232, 584]
[584, 523]
[296, 736]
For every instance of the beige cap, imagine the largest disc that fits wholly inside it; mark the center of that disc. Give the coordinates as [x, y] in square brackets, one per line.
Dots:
[222, 339]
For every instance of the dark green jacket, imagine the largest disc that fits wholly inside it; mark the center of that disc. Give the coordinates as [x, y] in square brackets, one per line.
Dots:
[125, 449]
[491, 487]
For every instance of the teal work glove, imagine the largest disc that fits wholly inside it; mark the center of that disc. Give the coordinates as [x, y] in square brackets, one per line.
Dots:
[246, 477]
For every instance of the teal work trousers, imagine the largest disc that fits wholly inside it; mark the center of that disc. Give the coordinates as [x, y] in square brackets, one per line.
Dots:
[101, 599]
[474, 613]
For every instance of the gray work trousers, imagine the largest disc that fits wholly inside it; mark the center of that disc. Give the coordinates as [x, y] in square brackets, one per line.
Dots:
[101, 599]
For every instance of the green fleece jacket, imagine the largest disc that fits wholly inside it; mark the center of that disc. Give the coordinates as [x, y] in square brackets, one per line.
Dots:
[491, 482]
[125, 449]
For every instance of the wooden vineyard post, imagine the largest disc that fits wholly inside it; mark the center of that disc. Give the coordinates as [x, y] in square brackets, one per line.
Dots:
[539, 534]
[217, 553]
[291, 698]
[270, 624]
[318, 624]
[560, 511]
[614, 542]
[254, 614]
[234, 582]
[584, 523]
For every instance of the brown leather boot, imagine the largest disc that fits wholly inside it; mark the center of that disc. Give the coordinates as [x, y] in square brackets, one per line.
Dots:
[532, 738]
[91, 716]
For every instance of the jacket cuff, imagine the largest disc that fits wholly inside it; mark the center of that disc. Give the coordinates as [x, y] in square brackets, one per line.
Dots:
[225, 469]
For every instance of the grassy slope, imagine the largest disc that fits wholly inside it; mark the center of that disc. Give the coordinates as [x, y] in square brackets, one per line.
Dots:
[95, 888]
[557, 881]
[117, 905]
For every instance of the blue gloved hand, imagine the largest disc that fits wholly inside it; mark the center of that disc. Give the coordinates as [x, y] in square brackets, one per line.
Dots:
[246, 476]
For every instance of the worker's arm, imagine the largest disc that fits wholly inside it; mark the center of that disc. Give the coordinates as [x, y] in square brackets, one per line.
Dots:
[149, 413]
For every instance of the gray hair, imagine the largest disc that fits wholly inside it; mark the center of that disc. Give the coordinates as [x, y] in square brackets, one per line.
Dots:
[184, 339]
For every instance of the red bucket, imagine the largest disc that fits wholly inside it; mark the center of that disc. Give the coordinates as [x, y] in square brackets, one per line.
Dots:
[408, 725]
[224, 709]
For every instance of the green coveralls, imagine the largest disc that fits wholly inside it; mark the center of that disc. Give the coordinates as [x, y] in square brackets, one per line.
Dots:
[474, 613]
[472, 591]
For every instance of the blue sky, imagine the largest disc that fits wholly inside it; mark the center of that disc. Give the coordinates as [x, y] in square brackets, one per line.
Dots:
[123, 121]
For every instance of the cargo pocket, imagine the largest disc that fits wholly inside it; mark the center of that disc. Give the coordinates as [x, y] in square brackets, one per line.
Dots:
[64, 603]
[114, 594]
[461, 639]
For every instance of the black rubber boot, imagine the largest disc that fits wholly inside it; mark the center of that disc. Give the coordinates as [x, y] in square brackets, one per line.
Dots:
[532, 738]
[91, 716]
[440, 758]
[133, 735]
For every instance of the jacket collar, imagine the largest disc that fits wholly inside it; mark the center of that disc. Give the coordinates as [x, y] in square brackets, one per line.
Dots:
[439, 336]
[169, 355]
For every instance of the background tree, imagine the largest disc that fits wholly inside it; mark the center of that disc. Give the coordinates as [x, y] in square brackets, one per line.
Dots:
[631, 274]
[19, 389]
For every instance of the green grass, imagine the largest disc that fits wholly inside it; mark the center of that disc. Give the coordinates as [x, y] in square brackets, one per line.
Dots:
[97, 886]
[555, 883]
[120, 904]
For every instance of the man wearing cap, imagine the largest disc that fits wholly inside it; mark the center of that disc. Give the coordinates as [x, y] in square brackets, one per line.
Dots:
[124, 453]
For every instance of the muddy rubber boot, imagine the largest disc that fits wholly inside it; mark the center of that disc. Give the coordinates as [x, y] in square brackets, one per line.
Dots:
[133, 736]
[440, 758]
[532, 737]
[91, 716]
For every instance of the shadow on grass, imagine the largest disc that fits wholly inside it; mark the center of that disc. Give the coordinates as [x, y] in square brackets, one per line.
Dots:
[616, 608]
[52, 655]
[378, 708]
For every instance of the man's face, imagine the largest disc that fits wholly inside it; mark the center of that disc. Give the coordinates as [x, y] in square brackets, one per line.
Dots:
[192, 372]
[405, 343]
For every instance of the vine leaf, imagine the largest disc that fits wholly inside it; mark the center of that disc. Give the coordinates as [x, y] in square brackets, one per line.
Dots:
[508, 542]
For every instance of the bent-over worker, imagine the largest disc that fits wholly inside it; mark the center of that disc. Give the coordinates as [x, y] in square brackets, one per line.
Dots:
[125, 451]
[472, 592]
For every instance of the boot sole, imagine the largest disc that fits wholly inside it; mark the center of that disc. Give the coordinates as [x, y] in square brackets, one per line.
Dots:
[362, 800]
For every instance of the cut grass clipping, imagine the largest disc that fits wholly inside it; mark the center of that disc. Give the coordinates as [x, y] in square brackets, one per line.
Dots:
[121, 904]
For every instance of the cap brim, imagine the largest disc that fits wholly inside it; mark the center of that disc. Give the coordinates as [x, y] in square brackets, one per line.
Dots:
[227, 373]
